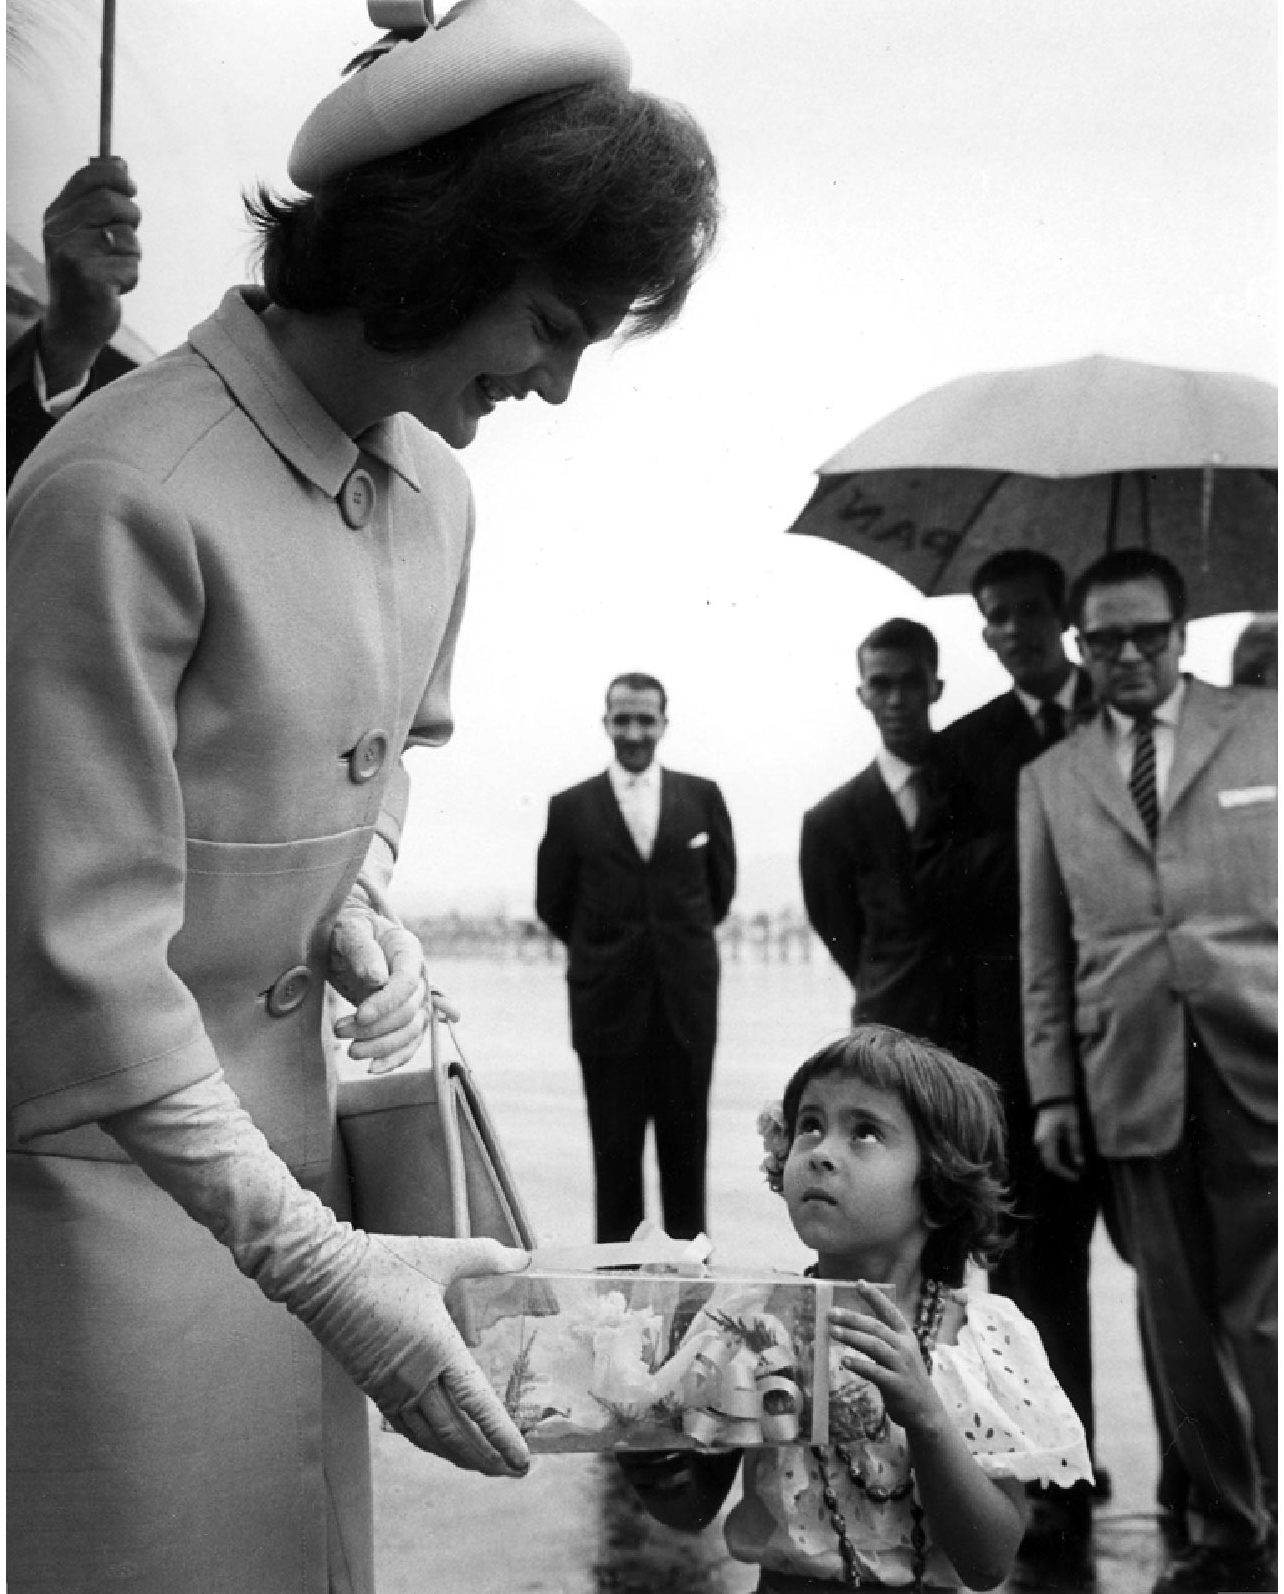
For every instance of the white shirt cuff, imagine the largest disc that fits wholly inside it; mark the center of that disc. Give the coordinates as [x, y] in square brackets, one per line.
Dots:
[56, 404]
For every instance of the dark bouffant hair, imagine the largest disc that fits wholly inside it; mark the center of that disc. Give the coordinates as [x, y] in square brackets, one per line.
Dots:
[958, 1118]
[606, 190]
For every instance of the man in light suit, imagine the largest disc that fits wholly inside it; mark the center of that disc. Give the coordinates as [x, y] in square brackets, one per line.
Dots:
[1147, 856]
[636, 870]
[855, 853]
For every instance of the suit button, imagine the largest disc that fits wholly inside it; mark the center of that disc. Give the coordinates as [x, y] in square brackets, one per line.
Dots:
[289, 991]
[368, 757]
[357, 499]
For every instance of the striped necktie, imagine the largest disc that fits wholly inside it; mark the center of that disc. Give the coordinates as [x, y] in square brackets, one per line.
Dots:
[1141, 783]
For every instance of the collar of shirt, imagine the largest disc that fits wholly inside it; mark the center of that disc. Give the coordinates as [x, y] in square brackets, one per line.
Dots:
[1122, 732]
[899, 779]
[1065, 695]
[236, 344]
[624, 780]
[1166, 714]
[895, 771]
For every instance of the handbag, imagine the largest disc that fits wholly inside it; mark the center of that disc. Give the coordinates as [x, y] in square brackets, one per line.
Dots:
[423, 1155]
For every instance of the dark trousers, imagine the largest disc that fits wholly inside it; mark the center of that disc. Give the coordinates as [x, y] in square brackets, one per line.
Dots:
[1200, 1225]
[663, 1083]
[1045, 1271]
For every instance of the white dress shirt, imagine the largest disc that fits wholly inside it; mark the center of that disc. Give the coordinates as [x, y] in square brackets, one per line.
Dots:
[901, 780]
[639, 800]
[1123, 737]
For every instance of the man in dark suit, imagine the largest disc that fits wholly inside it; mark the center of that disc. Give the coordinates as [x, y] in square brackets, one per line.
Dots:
[1149, 966]
[636, 870]
[966, 867]
[855, 854]
[91, 258]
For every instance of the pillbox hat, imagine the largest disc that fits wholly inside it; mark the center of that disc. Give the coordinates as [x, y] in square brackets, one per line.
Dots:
[482, 55]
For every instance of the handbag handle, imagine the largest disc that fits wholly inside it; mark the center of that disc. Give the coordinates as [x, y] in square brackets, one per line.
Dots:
[459, 1219]
[441, 1074]
[455, 1083]
[448, 1077]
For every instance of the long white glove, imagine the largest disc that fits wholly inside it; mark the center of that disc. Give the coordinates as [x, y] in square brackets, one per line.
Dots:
[373, 1300]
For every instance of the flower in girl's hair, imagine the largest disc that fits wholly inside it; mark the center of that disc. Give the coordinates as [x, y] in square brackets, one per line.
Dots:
[775, 1142]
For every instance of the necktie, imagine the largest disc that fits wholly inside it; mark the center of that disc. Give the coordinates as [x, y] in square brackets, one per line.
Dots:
[1052, 721]
[1141, 783]
[634, 810]
[910, 802]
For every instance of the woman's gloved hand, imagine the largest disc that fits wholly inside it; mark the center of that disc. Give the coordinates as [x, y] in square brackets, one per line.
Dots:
[373, 1301]
[377, 964]
[389, 1329]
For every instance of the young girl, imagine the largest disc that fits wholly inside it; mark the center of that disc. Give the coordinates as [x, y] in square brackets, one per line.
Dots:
[889, 1154]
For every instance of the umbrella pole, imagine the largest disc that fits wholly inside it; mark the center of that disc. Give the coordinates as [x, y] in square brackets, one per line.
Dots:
[1143, 494]
[1112, 522]
[108, 65]
[1206, 518]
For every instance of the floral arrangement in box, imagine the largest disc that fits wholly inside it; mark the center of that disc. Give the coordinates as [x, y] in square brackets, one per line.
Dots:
[600, 1362]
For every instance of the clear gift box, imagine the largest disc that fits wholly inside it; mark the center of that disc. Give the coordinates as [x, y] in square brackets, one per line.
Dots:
[661, 1360]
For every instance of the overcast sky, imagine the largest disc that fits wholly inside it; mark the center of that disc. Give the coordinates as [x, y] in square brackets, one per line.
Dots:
[914, 189]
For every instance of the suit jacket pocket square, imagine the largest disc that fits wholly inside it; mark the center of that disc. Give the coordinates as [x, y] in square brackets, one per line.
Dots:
[700, 840]
[1244, 796]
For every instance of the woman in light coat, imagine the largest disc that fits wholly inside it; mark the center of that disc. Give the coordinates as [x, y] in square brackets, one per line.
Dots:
[236, 581]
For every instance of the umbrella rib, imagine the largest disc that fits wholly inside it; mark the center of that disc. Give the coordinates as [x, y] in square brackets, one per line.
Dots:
[978, 509]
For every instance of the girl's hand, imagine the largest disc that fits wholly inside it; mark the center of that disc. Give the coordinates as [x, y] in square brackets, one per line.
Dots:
[884, 1349]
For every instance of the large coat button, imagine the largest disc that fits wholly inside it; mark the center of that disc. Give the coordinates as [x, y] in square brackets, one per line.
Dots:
[289, 991]
[357, 499]
[368, 757]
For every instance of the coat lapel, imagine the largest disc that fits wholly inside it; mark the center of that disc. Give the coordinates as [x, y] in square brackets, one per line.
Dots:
[881, 812]
[1205, 721]
[1096, 766]
[1019, 741]
[611, 816]
[668, 819]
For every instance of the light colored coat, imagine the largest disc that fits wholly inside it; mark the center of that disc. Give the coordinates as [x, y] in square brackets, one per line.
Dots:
[215, 664]
[1119, 940]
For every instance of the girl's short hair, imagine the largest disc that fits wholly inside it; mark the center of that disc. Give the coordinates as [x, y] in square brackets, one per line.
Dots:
[608, 191]
[958, 1118]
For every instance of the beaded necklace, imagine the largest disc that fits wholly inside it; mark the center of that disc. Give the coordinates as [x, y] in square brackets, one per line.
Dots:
[927, 1327]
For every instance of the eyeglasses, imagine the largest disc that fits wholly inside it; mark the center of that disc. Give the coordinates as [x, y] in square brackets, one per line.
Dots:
[1108, 643]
